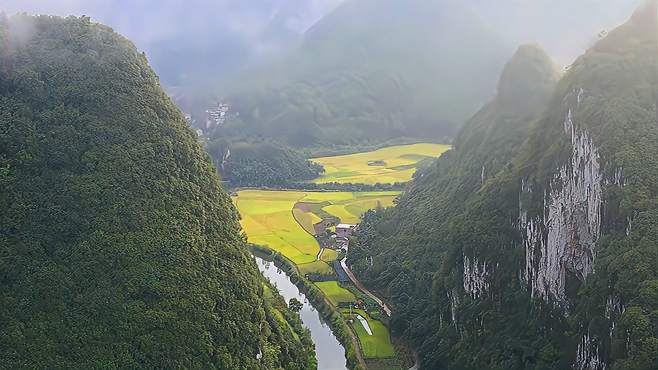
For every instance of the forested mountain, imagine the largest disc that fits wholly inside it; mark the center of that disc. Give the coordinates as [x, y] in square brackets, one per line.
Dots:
[118, 248]
[540, 255]
[245, 164]
[370, 71]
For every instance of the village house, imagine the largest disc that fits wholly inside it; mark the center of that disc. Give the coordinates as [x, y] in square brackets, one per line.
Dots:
[344, 230]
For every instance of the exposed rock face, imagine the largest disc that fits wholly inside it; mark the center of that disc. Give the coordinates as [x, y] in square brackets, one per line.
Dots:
[587, 356]
[563, 239]
[454, 305]
[476, 276]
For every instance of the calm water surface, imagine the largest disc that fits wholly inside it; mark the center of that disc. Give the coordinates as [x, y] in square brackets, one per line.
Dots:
[330, 353]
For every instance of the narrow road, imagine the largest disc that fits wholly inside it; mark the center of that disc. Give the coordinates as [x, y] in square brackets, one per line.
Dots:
[362, 288]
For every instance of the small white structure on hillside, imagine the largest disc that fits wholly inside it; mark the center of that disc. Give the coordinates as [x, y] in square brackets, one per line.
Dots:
[345, 230]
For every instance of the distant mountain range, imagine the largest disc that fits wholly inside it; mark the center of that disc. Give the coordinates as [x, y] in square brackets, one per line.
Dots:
[371, 71]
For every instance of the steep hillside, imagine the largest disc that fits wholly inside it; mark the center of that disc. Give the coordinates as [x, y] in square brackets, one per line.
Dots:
[118, 248]
[543, 259]
[246, 164]
[370, 71]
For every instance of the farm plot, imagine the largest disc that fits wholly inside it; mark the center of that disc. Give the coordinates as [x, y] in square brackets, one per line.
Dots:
[275, 219]
[375, 345]
[385, 166]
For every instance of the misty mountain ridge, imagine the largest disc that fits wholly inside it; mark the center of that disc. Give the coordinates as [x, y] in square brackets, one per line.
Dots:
[352, 80]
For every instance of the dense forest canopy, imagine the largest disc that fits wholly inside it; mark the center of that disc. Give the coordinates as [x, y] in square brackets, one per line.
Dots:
[245, 164]
[118, 247]
[536, 237]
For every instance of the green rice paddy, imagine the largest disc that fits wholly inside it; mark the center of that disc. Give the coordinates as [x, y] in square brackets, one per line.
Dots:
[377, 345]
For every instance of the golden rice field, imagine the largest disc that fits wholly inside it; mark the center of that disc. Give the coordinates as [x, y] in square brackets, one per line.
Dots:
[386, 166]
[270, 218]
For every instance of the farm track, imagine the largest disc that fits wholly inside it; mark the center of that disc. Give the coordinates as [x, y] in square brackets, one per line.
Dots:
[362, 288]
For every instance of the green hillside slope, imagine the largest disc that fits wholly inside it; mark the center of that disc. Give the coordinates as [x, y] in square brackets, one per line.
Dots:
[371, 71]
[118, 248]
[542, 257]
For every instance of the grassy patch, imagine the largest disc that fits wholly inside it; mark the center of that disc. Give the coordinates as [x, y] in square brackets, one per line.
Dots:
[335, 293]
[315, 267]
[377, 345]
[399, 161]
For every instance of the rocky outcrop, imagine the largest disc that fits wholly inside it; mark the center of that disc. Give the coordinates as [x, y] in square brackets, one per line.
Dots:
[476, 277]
[587, 355]
[454, 305]
[563, 240]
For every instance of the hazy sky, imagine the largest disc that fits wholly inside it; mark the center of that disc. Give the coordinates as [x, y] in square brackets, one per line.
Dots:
[182, 37]
[188, 39]
[154, 20]
[563, 27]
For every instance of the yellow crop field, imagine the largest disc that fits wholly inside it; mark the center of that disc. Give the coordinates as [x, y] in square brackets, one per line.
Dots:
[306, 219]
[386, 166]
[329, 255]
[270, 218]
[267, 220]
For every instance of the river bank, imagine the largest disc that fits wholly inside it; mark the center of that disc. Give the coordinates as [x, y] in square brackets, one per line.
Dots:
[298, 231]
[316, 299]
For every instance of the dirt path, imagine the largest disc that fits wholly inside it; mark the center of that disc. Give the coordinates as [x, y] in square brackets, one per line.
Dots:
[362, 288]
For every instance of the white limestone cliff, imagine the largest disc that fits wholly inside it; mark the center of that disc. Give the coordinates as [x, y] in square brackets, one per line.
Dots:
[563, 239]
[588, 356]
[475, 277]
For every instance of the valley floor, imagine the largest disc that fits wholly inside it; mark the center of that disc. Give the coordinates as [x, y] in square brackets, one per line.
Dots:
[301, 226]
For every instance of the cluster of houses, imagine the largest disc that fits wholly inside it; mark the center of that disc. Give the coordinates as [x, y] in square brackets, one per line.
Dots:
[216, 116]
[334, 240]
[341, 237]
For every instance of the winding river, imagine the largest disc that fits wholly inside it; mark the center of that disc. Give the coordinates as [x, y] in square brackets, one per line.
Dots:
[329, 352]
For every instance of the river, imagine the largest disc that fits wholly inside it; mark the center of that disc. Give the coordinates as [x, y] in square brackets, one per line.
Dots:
[329, 352]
